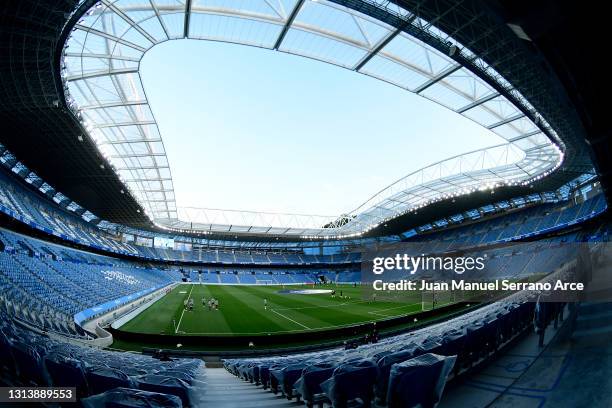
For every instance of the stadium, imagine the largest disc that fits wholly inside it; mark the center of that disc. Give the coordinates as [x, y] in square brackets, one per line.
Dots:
[164, 165]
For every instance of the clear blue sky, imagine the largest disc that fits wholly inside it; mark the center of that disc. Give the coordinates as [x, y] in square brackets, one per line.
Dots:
[252, 129]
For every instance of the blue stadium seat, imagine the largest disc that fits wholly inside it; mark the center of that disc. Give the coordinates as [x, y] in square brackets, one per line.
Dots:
[29, 363]
[351, 381]
[102, 379]
[132, 398]
[286, 377]
[384, 368]
[166, 385]
[309, 383]
[418, 382]
[65, 371]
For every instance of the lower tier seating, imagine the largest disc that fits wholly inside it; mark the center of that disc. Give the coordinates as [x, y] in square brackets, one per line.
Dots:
[401, 371]
[103, 378]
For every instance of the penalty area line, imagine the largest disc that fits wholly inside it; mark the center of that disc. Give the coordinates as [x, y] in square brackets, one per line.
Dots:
[348, 303]
[380, 312]
[290, 319]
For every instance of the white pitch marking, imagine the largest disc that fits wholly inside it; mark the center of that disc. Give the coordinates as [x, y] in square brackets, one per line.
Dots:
[181, 319]
[377, 311]
[290, 319]
[325, 306]
[379, 314]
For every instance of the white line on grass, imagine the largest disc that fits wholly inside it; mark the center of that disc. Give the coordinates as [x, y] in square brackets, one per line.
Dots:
[292, 330]
[181, 319]
[290, 319]
[326, 306]
[377, 312]
[380, 314]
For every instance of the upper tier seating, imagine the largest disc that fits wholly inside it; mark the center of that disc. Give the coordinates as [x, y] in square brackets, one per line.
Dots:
[527, 222]
[18, 201]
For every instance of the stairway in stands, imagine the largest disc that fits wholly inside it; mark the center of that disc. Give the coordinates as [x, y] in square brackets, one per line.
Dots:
[223, 390]
[594, 322]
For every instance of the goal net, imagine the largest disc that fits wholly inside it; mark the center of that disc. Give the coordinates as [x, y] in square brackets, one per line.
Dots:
[435, 299]
[264, 282]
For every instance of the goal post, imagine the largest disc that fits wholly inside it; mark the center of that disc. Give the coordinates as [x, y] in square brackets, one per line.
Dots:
[427, 300]
[435, 299]
[264, 282]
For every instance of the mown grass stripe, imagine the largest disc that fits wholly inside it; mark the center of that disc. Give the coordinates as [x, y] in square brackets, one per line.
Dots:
[242, 310]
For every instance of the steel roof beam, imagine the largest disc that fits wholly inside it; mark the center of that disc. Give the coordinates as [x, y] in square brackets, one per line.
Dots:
[287, 26]
[136, 155]
[131, 141]
[131, 168]
[438, 78]
[102, 56]
[147, 190]
[122, 124]
[538, 147]
[159, 19]
[377, 49]
[113, 105]
[525, 136]
[128, 20]
[403, 22]
[104, 72]
[187, 19]
[142, 180]
[478, 102]
[506, 121]
[110, 37]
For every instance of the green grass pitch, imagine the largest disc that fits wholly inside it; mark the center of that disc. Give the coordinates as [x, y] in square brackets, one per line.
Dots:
[241, 310]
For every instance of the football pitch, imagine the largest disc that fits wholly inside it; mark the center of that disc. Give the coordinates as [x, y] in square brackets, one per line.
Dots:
[242, 310]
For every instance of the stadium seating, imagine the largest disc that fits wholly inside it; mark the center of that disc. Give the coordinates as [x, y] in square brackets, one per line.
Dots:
[47, 290]
[102, 377]
[77, 280]
[130, 398]
[529, 222]
[228, 278]
[348, 277]
[47, 285]
[404, 370]
[40, 213]
[44, 286]
[419, 381]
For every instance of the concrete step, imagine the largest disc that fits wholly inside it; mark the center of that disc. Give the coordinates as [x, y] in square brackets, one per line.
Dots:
[254, 392]
[250, 403]
[594, 320]
[213, 362]
[598, 294]
[602, 280]
[223, 390]
[594, 307]
[593, 337]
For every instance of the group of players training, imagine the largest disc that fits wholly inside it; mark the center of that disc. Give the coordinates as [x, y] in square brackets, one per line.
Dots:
[212, 303]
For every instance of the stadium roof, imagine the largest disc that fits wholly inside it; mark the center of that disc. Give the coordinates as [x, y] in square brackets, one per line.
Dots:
[480, 60]
[100, 67]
